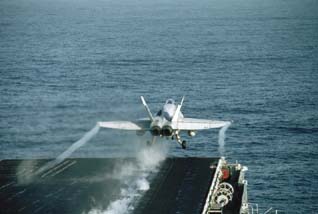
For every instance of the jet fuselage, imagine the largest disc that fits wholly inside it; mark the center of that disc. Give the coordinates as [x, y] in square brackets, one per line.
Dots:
[161, 125]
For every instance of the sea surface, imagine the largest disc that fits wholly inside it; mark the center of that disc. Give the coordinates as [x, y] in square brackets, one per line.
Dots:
[66, 64]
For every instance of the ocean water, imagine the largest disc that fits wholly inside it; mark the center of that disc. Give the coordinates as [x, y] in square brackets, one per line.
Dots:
[67, 64]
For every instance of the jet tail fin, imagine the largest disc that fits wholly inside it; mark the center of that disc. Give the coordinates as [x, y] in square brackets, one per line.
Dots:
[177, 112]
[146, 107]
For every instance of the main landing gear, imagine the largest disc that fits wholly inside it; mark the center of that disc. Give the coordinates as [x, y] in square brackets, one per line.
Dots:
[182, 143]
[153, 141]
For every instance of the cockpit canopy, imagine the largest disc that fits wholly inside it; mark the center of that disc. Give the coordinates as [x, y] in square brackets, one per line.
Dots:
[170, 101]
[167, 110]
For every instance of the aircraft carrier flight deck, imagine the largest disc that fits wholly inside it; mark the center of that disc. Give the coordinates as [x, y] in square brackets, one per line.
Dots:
[181, 185]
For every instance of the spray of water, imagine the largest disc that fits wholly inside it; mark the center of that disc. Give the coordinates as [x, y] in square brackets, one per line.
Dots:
[67, 153]
[135, 179]
[222, 138]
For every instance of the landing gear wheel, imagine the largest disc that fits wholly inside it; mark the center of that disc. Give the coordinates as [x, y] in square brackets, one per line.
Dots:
[184, 144]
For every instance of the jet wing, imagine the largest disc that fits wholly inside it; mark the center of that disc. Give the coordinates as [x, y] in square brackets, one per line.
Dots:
[198, 124]
[143, 124]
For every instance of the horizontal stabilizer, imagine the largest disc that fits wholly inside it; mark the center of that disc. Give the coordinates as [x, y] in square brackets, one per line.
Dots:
[198, 124]
[126, 125]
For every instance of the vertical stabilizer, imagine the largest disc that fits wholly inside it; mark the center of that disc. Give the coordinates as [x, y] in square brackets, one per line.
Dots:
[146, 107]
[177, 112]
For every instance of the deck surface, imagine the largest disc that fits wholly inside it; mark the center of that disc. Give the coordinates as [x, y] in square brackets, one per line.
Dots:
[79, 185]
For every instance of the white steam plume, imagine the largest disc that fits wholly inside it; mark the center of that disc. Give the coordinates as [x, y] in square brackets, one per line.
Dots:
[222, 138]
[135, 179]
[81, 142]
[25, 170]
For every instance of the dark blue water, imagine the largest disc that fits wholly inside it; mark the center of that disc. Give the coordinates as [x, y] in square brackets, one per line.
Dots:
[65, 65]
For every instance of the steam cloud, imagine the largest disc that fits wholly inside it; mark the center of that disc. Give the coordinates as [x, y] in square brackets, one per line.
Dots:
[148, 161]
[24, 171]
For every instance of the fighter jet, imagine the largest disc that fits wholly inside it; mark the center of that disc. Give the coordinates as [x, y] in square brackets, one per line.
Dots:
[168, 122]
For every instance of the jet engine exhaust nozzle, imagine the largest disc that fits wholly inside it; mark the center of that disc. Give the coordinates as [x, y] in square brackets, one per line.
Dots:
[167, 131]
[155, 130]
